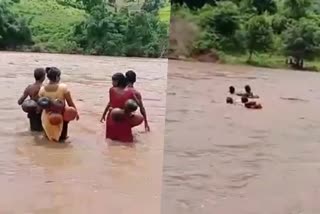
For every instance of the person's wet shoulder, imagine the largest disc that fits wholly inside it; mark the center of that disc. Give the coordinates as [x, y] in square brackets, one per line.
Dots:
[63, 85]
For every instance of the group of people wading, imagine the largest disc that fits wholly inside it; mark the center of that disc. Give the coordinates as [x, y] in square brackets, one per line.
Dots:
[247, 98]
[119, 114]
[48, 112]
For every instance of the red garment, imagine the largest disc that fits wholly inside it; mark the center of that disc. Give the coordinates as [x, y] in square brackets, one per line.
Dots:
[120, 131]
[118, 100]
[135, 91]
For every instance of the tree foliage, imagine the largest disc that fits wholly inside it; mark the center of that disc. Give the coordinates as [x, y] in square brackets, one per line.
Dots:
[302, 41]
[87, 5]
[120, 34]
[297, 8]
[102, 33]
[192, 4]
[261, 7]
[287, 28]
[145, 35]
[225, 19]
[259, 35]
[280, 23]
[151, 6]
[94, 27]
[14, 31]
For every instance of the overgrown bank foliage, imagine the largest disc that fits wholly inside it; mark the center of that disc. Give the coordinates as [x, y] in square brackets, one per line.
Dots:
[116, 28]
[287, 28]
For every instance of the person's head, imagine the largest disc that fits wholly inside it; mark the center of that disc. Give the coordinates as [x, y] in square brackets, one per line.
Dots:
[229, 100]
[53, 74]
[131, 77]
[244, 99]
[119, 80]
[247, 88]
[232, 90]
[39, 74]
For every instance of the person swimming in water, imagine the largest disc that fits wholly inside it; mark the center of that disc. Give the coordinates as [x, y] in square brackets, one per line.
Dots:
[32, 91]
[250, 104]
[232, 90]
[248, 92]
[120, 130]
[229, 100]
[232, 98]
[131, 79]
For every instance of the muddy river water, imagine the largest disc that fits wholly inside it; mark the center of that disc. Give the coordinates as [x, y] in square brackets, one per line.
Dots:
[225, 159]
[218, 158]
[87, 175]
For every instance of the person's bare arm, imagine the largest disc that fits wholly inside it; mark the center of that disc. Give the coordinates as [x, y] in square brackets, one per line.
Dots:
[142, 108]
[143, 112]
[70, 102]
[24, 96]
[106, 109]
[105, 113]
[240, 94]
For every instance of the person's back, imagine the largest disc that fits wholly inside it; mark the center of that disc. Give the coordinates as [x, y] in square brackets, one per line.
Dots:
[55, 90]
[131, 79]
[32, 91]
[119, 96]
[115, 130]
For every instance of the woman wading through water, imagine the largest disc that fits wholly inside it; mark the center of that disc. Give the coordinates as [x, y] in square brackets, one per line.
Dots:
[55, 90]
[120, 101]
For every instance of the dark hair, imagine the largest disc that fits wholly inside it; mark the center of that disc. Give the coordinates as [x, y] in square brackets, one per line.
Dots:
[131, 76]
[47, 69]
[39, 73]
[244, 99]
[247, 88]
[232, 90]
[229, 100]
[120, 78]
[53, 74]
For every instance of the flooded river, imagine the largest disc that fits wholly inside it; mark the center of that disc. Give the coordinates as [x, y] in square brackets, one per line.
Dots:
[88, 175]
[226, 159]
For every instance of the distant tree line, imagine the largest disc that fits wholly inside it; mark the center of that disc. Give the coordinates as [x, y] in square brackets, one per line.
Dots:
[104, 31]
[284, 27]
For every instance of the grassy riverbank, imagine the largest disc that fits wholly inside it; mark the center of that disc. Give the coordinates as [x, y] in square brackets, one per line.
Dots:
[267, 61]
[51, 23]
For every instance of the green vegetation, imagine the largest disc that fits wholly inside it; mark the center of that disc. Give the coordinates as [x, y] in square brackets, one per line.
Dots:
[114, 27]
[14, 31]
[164, 13]
[270, 33]
[51, 24]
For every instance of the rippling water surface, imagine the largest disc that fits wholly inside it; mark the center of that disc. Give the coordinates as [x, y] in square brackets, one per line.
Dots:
[88, 175]
[226, 159]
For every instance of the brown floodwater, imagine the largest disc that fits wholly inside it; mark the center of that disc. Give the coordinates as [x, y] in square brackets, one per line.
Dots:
[89, 174]
[226, 159]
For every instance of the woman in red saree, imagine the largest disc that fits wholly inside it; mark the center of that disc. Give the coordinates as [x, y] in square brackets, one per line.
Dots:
[118, 96]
